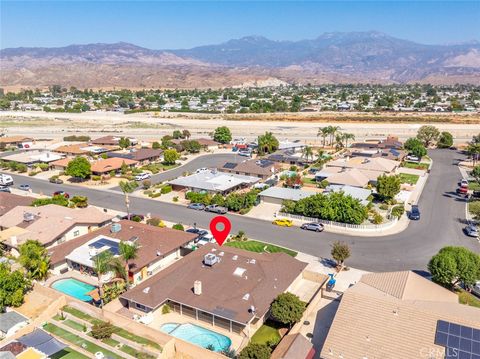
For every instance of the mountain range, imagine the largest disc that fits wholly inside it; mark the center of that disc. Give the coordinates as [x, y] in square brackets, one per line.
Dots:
[355, 57]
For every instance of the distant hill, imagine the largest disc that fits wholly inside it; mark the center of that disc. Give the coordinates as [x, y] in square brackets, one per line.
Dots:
[330, 58]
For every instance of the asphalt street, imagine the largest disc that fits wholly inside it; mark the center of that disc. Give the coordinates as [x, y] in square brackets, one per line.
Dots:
[441, 223]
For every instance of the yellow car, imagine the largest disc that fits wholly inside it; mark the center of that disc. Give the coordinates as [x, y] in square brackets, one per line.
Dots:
[282, 222]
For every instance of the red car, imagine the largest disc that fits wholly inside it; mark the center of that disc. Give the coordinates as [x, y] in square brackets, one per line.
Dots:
[61, 193]
[462, 190]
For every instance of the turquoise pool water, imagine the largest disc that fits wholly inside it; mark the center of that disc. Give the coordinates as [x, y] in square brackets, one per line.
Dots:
[197, 335]
[74, 288]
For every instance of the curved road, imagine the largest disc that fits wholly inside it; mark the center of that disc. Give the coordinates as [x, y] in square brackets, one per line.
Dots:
[441, 224]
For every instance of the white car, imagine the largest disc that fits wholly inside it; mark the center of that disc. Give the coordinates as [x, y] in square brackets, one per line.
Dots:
[412, 158]
[201, 170]
[142, 176]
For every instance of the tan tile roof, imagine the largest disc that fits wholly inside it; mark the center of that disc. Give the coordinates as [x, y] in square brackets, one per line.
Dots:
[63, 162]
[353, 177]
[8, 201]
[393, 316]
[363, 163]
[51, 221]
[293, 346]
[150, 239]
[15, 139]
[111, 164]
[223, 293]
[72, 149]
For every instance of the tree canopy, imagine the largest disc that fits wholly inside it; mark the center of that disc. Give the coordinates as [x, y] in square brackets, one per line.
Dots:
[255, 351]
[287, 308]
[267, 143]
[340, 252]
[124, 142]
[445, 140]
[34, 258]
[388, 186]
[415, 147]
[79, 167]
[452, 265]
[13, 286]
[222, 134]
[428, 134]
[170, 156]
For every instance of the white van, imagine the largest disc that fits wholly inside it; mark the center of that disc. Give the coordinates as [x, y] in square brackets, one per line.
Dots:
[6, 180]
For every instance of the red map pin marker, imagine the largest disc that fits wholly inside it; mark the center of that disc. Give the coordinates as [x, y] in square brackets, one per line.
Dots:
[220, 235]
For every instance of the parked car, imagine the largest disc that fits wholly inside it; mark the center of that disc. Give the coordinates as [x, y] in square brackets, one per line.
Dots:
[215, 208]
[476, 194]
[196, 206]
[245, 153]
[24, 187]
[201, 170]
[462, 190]
[414, 213]
[61, 193]
[142, 176]
[6, 180]
[55, 180]
[475, 289]
[5, 189]
[412, 158]
[283, 222]
[471, 230]
[313, 226]
[463, 183]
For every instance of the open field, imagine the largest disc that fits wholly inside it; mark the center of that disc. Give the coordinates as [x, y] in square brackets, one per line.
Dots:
[292, 126]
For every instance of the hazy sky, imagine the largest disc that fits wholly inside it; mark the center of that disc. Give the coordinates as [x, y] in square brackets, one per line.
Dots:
[181, 24]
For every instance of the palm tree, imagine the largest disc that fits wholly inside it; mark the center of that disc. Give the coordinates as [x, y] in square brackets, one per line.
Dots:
[307, 152]
[267, 143]
[320, 158]
[347, 137]
[333, 131]
[473, 151]
[323, 132]
[128, 251]
[128, 187]
[102, 265]
[338, 141]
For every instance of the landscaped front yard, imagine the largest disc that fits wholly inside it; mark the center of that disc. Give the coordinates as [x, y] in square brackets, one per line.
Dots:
[260, 247]
[266, 334]
[409, 178]
[417, 166]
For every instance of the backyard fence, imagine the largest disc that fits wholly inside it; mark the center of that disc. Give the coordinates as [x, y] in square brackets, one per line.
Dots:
[346, 226]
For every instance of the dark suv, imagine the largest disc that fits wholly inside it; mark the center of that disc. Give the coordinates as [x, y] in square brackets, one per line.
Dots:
[414, 213]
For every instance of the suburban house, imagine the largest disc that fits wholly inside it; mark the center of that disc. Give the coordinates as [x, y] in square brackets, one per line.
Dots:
[388, 143]
[10, 323]
[388, 153]
[16, 141]
[143, 156]
[34, 345]
[9, 201]
[294, 346]
[33, 157]
[341, 177]
[257, 168]
[61, 164]
[158, 248]
[213, 181]
[362, 194]
[223, 286]
[289, 157]
[276, 195]
[207, 143]
[105, 166]
[375, 164]
[50, 224]
[84, 149]
[400, 315]
[111, 141]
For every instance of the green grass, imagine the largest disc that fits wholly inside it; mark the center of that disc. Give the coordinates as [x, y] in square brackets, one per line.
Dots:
[259, 247]
[135, 353]
[266, 334]
[68, 353]
[417, 166]
[468, 299]
[409, 178]
[309, 180]
[473, 185]
[119, 331]
[111, 342]
[76, 340]
[74, 325]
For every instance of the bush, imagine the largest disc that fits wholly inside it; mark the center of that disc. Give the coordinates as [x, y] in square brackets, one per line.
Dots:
[43, 166]
[157, 222]
[147, 184]
[175, 199]
[136, 218]
[377, 218]
[33, 173]
[155, 195]
[383, 207]
[178, 227]
[166, 189]
[197, 197]
[255, 351]
[398, 211]
[287, 308]
[293, 168]
[74, 138]
[245, 210]
[95, 178]
[21, 168]
[166, 309]
[102, 330]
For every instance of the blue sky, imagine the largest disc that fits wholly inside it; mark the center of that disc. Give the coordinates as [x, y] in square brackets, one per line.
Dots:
[182, 24]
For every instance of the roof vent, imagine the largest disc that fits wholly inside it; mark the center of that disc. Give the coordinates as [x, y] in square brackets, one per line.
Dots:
[253, 261]
[92, 252]
[115, 228]
[159, 253]
[197, 287]
[235, 257]
[146, 290]
[28, 217]
[239, 271]
[246, 296]
[211, 259]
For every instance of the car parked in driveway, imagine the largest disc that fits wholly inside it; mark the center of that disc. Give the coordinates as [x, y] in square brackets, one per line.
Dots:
[471, 230]
[283, 222]
[215, 208]
[24, 187]
[142, 176]
[414, 213]
[412, 158]
[313, 226]
[196, 206]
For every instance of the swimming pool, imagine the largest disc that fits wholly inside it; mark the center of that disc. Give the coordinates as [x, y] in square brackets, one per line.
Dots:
[74, 288]
[197, 335]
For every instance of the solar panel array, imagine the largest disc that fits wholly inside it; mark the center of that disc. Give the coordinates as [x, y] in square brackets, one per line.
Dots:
[108, 243]
[460, 342]
[230, 165]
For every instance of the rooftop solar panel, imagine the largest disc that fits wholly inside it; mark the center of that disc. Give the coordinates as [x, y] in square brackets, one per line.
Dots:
[104, 242]
[460, 342]
[230, 165]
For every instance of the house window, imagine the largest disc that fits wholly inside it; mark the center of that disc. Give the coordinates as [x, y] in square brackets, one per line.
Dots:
[141, 307]
[76, 233]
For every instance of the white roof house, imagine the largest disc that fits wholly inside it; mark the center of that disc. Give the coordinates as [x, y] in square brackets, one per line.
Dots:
[361, 194]
[285, 193]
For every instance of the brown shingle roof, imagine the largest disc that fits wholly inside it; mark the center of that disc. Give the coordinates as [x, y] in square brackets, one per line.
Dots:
[105, 140]
[251, 167]
[223, 293]
[63, 162]
[15, 139]
[150, 239]
[8, 201]
[393, 315]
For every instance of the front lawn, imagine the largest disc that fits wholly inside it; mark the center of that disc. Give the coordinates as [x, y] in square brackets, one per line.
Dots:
[468, 299]
[260, 247]
[68, 353]
[266, 334]
[409, 178]
[473, 185]
[311, 181]
[416, 166]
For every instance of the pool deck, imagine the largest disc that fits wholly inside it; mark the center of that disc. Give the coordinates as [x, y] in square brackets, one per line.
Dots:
[72, 274]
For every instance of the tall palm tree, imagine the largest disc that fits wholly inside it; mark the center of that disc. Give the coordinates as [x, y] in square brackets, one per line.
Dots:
[333, 131]
[323, 132]
[347, 137]
[307, 152]
[102, 265]
[267, 143]
[128, 251]
[127, 188]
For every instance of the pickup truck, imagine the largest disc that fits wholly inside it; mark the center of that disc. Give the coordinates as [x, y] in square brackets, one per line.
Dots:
[6, 180]
[216, 209]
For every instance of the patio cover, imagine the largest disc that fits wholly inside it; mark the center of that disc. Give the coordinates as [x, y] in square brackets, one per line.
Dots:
[42, 341]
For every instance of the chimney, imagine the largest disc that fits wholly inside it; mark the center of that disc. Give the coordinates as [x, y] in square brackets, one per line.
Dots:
[197, 287]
